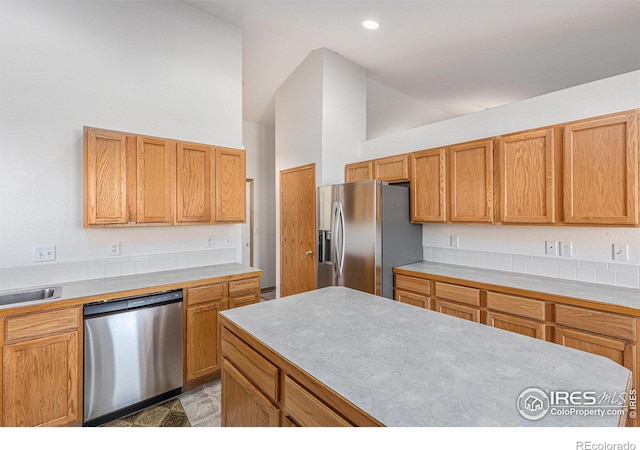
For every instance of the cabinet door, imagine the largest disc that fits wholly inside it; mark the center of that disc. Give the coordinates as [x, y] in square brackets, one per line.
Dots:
[428, 186]
[457, 310]
[411, 298]
[193, 183]
[243, 405]
[618, 351]
[601, 171]
[526, 175]
[392, 169]
[516, 324]
[40, 381]
[358, 171]
[230, 185]
[154, 172]
[105, 177]
[471, 197]
[203, 355]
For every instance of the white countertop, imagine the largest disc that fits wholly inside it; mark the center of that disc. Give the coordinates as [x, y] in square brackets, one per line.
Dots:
[408, 366]
[123, 284]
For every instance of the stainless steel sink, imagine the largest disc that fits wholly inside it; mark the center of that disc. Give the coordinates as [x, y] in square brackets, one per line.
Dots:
[48, 293]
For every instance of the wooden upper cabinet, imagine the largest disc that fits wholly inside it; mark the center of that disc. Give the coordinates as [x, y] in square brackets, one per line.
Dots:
[193, 182]
[601, 171]
[428, 186]
[358, 171]
[154, 172]
[134, 180]
[105, 177]
[526, 173]
[230, 185]
[392, 169]
[471, 176]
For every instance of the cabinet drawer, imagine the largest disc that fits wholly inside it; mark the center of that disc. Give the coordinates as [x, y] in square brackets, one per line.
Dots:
[205, 294]
[244, 300]
[520, 306]
[251, 363]
[410, 298]
[306, 409]
[42, 324]
[470, 296]
[413, 284]
[615, 325]
[243, 286]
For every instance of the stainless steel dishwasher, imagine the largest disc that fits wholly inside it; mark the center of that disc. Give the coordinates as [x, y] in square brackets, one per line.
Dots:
[132, 354]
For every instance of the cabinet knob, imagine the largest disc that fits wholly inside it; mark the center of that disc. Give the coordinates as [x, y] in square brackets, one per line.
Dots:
[309, 253]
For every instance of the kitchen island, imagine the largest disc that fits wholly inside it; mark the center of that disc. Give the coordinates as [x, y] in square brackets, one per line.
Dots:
[336, 356]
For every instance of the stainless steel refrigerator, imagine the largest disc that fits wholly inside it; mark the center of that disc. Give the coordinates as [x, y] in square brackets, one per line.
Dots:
[364, 231]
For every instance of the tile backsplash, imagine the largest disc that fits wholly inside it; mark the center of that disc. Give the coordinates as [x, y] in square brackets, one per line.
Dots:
[47, 273]
[613, 274]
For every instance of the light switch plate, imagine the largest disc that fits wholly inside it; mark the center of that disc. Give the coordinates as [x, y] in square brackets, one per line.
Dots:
[454, 241]
[551, 247]
[621, 252]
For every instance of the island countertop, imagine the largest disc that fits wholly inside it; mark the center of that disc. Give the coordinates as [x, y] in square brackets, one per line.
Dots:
[406, 366]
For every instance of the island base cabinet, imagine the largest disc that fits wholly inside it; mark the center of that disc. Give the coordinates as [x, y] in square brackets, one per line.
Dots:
[243, 404]
[41, 382]
[302, 408]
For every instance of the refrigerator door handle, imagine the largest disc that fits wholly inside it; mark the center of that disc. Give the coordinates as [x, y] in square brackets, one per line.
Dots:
[342, 238]
[334, 237]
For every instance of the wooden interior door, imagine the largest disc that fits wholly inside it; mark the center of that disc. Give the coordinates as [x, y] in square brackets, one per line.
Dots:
[297, 230]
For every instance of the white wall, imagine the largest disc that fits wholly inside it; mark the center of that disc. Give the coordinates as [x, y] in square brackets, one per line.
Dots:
[521, 248]
[320, 118]
[259, 143]
[156, 68]
[344, 115]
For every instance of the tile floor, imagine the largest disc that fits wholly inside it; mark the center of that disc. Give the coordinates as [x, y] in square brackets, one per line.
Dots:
[202, 404]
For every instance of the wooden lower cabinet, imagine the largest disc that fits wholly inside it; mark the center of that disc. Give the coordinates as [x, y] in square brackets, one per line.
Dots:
[203, 355]
[243, 405]
[616, 350]
[203, 303]
[41, 369]
[304, 409]
[458, 310]
[515, 324]
[412, 298]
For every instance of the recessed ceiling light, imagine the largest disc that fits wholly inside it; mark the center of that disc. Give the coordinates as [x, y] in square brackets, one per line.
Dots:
[370, 24]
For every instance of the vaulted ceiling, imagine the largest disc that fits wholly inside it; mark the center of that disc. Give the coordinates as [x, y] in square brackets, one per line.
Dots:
[434, 60]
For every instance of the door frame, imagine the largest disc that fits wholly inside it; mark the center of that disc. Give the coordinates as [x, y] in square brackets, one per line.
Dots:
[250, 218]
[311, 167]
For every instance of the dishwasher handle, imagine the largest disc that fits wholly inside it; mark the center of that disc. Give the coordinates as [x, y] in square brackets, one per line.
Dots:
[130, 303]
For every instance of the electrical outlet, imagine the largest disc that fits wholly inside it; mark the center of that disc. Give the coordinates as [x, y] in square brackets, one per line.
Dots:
[44, 253]
[566, 248]
[114, 248]
[211, 242]
[551, 247]
[454, 241]
[227, 241]
[621, 252]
